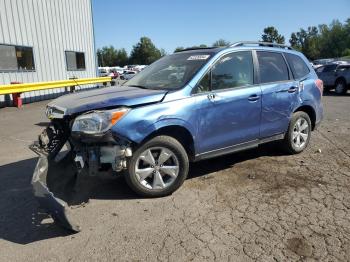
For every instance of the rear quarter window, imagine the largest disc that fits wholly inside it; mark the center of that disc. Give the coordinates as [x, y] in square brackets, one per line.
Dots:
[297, 65]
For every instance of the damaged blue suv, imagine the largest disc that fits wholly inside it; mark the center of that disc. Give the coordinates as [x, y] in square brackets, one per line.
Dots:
[188, 106]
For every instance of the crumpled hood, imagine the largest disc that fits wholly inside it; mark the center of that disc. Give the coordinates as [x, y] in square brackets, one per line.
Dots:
[106, 97]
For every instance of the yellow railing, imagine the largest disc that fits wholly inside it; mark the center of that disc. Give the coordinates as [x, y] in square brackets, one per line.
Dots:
[21, 88]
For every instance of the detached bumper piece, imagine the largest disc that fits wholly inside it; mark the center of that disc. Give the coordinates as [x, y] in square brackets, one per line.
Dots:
[54, 206]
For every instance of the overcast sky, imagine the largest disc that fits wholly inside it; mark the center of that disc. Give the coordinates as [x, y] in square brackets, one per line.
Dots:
[192, 22]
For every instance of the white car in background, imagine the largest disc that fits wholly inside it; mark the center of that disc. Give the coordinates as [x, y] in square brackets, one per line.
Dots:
[128, 74]
[102, 72]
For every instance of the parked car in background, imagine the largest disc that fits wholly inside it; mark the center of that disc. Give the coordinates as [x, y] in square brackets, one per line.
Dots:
[120, 71]
[325, 61]
[189, 106]
[102, 72]
[128, 74]
[139, 68]
[335, 76]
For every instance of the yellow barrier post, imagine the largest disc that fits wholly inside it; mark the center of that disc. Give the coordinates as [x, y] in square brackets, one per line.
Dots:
[16, 97]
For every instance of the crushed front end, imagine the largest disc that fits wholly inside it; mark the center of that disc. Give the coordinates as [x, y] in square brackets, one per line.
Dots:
[74, 146]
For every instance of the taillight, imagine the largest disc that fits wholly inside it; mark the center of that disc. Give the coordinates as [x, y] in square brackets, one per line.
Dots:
[319, 84]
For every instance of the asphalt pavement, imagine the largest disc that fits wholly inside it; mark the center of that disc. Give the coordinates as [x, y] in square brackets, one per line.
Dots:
[258, 205]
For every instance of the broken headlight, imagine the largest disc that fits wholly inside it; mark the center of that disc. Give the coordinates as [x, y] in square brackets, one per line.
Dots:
[98, 122]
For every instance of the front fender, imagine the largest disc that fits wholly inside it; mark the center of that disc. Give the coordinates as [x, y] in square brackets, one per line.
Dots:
[145, 128]
[140, 122]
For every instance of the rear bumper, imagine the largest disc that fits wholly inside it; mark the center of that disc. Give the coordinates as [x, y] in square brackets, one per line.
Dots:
[54, 206]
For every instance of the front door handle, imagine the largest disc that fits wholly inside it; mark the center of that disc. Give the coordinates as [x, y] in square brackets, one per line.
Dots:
[211, 97]
[293, 89]
[254, 97]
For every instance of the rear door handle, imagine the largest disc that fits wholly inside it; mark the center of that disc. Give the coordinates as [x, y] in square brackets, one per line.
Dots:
[254, 97]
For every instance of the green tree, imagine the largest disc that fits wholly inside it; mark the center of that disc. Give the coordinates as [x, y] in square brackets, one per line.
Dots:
[106, 56]
[346, 53]
[333, 39]
[178, 49]
[294, 41]
[221, 42]
[122, 57]
[324, 41]
[163, 52]
[144, 52]
[271, 35]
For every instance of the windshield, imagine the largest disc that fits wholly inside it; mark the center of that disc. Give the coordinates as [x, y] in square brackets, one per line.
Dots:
[170, 72]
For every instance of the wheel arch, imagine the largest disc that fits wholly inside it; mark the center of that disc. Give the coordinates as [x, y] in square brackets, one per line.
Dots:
[310, 111]
[180, 133]
[340, 78]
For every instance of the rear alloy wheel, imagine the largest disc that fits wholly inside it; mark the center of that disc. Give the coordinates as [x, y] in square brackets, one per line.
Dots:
[340, 87]
[299, 133]
[158, 167]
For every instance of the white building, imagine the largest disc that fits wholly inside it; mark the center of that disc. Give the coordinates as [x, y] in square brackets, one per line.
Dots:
[45, 40]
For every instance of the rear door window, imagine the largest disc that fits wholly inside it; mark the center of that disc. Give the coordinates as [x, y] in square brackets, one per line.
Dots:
[272, 67]
[297, 65]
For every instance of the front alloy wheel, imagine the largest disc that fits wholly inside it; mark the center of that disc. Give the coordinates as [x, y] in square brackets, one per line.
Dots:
[158, 167]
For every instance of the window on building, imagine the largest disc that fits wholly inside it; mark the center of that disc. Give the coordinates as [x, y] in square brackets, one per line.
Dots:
[272, 67]
[75, 60]
[297, 65]
[16, 58]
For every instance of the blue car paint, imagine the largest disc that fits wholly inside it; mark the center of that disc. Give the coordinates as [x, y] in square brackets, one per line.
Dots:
[107, 97]
[277, 105]
[142, 121]
[229, 119]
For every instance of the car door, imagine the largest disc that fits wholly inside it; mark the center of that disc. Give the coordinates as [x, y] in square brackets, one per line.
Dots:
[327, 74]
[230, 103]
[280, 93]
[343, 71]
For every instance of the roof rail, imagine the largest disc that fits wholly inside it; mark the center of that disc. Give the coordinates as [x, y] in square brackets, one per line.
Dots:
[195, 48]
[269, 44]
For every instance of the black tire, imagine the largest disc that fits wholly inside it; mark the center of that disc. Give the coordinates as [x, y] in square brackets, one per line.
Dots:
[160, 141]
[288, 143]
[340, 87]
[326, 90]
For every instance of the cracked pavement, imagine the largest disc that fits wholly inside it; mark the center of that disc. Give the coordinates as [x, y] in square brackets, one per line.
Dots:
[257, 205]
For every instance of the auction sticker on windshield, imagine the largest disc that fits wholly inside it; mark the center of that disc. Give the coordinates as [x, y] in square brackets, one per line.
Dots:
[198, 57]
